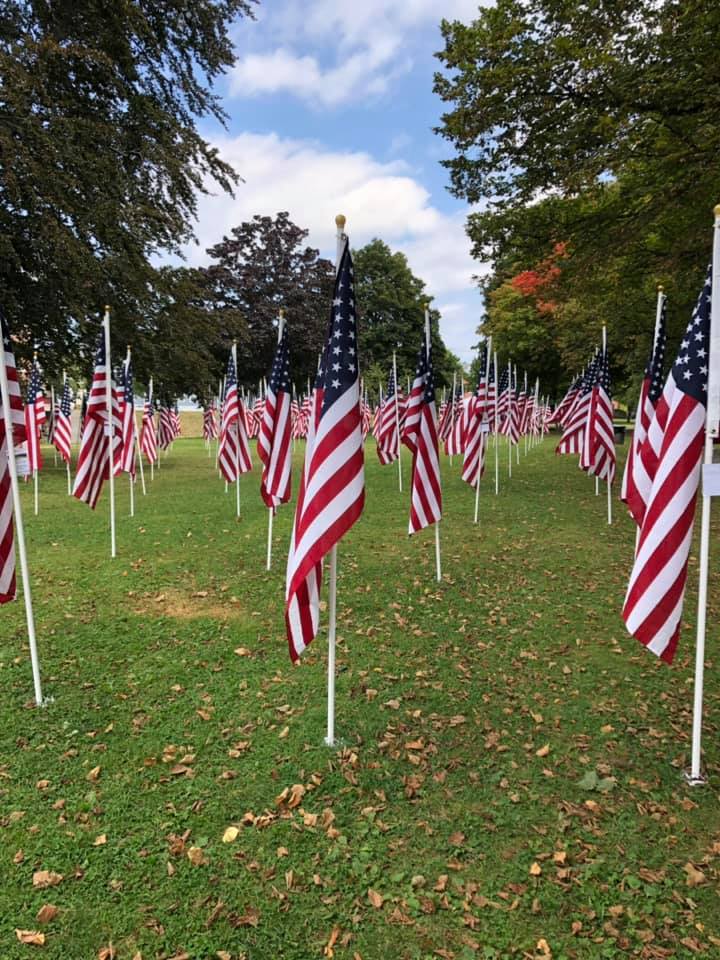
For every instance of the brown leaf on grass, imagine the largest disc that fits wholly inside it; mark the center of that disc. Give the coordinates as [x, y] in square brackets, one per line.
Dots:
[230, 835]
[196, 856]
[375, 898]
[100, 841]
[19, 857]
[535, 869]
[106, 953]
[94, 775]
[32, 937]
[543, 751]
[694, 877]
[543, 948]
[47, 913]
[328, 950]
[457, 839]
[46, 878]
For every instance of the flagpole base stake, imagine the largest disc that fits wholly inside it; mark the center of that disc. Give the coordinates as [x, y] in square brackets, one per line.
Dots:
[694, 781]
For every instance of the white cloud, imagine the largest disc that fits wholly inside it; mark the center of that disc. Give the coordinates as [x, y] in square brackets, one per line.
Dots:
[314, 183]
[331, 51]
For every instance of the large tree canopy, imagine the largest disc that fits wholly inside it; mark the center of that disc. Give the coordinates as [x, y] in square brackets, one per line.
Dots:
[102, 162]
[595, 124]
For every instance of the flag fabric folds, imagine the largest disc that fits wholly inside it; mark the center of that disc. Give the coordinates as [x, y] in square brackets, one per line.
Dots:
[126, 462]
[671, 455]
[148, 436]
[233, 450]
[166, 427]
[331, 495]
[62, 434]
[210, 430]
[274, 445]
[636, 482]
[8, 586]
[477, 426]
[34, 418]
[387, 421]
[92, 466]
[598, 448]
[421, 437]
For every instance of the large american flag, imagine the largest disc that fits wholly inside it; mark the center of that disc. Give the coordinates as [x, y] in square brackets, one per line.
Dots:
[332, 485]
[62, 434]
[274, 438]
[92, 466]
[386, 427]
[34, 410]
[233, 450]
[671, 455]
[127, 419]
[477, 426]
[575, 421]
[636, 483]
[510, 426]
[598, 452]
[501, 403]
[421, 437]
[17, 420]
[148, 436]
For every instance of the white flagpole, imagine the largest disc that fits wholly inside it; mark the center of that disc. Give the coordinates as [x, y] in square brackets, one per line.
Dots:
[517, 445]
[510, 391]
[527, 398]
[452, 411]
[67, 463]
[438, 567]
[36, 491]
[52, 416]
[110, 428]
[712, 430]
[130, 476]
[237, 438]
[138, 451]
[332, 585]
[495, 426]
[19, 529]
[281, 324]
[397, 421]
[609, 487]
[483, 435]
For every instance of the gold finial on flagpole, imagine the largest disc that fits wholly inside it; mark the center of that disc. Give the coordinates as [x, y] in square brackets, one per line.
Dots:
[340, 221]
[716, 210]
[281, 311]
[661, 288]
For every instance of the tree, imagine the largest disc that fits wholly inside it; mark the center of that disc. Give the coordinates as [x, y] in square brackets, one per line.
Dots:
[391, 302]
[597, 125]
[262, 266]
[102, 159]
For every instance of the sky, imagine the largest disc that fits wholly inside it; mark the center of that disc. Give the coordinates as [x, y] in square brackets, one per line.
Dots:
[332, 111]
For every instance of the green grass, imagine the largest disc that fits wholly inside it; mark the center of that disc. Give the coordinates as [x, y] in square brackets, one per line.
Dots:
[470, 711]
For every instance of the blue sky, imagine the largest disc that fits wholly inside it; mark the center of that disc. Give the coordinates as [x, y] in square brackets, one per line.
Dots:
[331, 111]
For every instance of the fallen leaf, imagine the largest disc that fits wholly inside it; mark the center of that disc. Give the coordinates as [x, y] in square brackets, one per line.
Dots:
[106, 953]
[47, 913]
[375, 898]
[100, 841]
[230, 835]
[46, 878]
[543, 751]
[695, 877]
[32, 937]
[535, 869]
[197, 857]
[94, 775]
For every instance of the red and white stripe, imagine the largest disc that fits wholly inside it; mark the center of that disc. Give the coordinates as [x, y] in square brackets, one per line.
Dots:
[17, 421]
[421, 437]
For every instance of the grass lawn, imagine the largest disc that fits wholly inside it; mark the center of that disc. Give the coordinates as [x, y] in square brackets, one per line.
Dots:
[509, 783]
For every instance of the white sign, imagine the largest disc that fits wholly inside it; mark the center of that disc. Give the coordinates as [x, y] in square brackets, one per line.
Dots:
[711, 479]
[22, 463]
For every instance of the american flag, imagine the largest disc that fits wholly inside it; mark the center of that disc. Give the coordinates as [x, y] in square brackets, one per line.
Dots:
[34, 404]
[148, 436]
[51, 417]
[127, 419]
[254, 415]
[454, 440]
[445, 418]
[92, 466]
[62, 434]
[332, 485]
[210, 430]
[510, 426]
[175, 421]
[386, 429]
[598, 453]
[501, 405]
[522, 406]
[303, 419]
[636, 484]
[477, 426]
[234, 450]
[274, 437]
[561, 410]
[365, 415]
[421, 437]
[17, 420]
[575, 422]
[166, 426]
[671, 455]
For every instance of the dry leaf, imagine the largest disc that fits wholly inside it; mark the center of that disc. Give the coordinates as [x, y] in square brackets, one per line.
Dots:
[46, 878]
[19, 857]
[100, 841]
[47, 913]
[106, 953]
[695, 877]
[543, 948]
[230, 835]
[32, 937]
[535, 869]
[94, 775]
[375, 898]
[197, 857]
[283, 733]
[543, 751]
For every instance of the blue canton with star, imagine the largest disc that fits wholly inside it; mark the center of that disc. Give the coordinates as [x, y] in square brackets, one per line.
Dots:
[280, 373]
[66, 400]
[424, 369]
[34, 384]
[391, 386]
[690, 370]
[127, 382]
[231, 377]
[338, 370]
